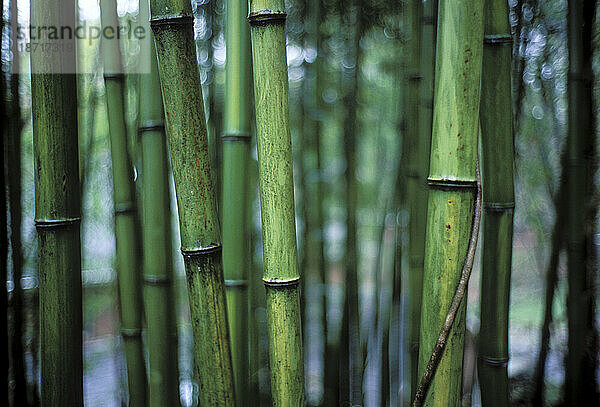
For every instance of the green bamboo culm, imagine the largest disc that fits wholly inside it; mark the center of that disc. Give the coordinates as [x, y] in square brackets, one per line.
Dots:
[452, 181]
[281, 276]
[236, 149]
[580, 383]
[417, 182]
[158, 272]
[498, 203]
[172, 23]
[57, 208]
[126, 223]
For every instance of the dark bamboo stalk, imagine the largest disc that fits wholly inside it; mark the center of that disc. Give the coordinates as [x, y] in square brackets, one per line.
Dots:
[158, 272]
[57, 208]
[125, 213]
[236, 154]
[281, 276]
[452, 181]
[498, 204]
[172, 23]
[4, 364]
[580, 383]
[351, 352]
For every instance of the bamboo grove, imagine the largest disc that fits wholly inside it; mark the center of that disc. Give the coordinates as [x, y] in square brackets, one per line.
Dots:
[305, 202]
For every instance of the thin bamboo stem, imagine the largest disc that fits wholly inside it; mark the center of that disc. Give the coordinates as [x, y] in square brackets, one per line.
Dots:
[452, 179]
[125, 214]
[172, 23]
[57, 209]
[4, 364]
[498, 204]
[236, 149]
[281, 276]
[158, 272]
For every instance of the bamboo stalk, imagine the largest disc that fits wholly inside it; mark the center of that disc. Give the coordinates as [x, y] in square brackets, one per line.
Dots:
[172, 23]
[415, 185]
[580, 386]
[4, 364]
[14, 175]
[125, 215]
[452, 181]
[158, 273]
[236, 148]
[498, 204]
[281, 276]
[57, 209]
[351, 358]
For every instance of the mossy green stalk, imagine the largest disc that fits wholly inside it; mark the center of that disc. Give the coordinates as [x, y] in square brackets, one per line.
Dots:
[125, 212]
[452, 181]
[236, 149]
[158, 273]
[172, 24]
[57, 210]
[498, 203]
[281, 276]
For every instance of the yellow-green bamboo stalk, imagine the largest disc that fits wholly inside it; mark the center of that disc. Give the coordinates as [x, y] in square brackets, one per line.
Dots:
[172, 24]
[57, 208]
[452, 181]
[498, 204]
[236, 148]
[158, 272]
[281, 276]
[126, 224]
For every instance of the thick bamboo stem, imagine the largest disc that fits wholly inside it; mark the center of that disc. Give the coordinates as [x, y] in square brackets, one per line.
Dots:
[126, 225]
[580, 384]
[57, 209]
[4, 364]
[236, 148]
[158, 273]
[498, 204]
[452, 180]
[172, 23]
[281, 276]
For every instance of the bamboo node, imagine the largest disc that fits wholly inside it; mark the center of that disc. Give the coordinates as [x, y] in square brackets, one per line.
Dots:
[114, 76]
[235, 136]
[578, 77]
[262, 18]
[151, 125]
[277, 283]
[202, 251]
[165, 21]
[498, 39]
[131, 332]
[496, 362]
[122, 208]
[498, 206]
[451, 184]
[236, 284]
[57, 223]
[156, 280]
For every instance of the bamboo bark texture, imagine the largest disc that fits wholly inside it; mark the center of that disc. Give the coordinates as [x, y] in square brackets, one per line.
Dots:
[452, 182]
[580, 362]
[172, 23]
[57, 209]
[236, 151]
[125, 212]
[281, 276]
[158, 273]
[498, 203]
